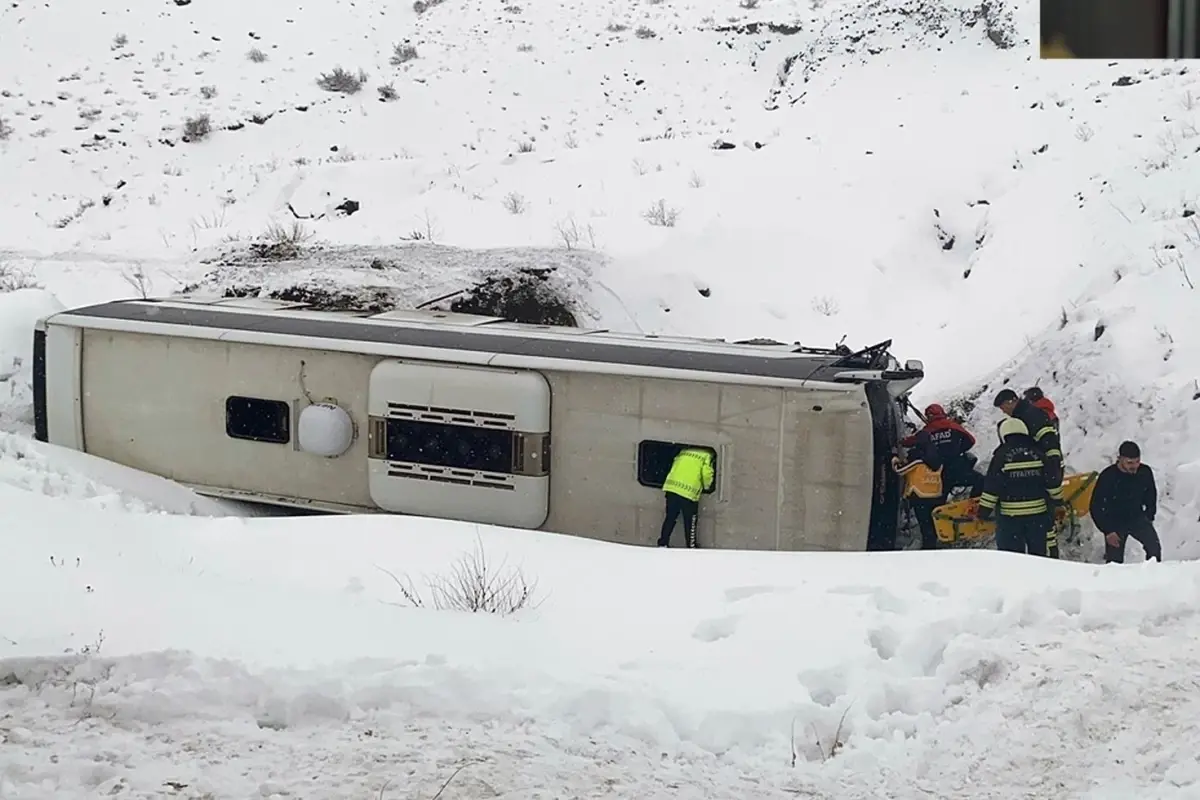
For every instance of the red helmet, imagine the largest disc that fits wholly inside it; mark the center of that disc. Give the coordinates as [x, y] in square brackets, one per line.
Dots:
[934, 411]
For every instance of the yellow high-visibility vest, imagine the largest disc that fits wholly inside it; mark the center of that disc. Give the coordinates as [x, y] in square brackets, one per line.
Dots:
[1057, 48]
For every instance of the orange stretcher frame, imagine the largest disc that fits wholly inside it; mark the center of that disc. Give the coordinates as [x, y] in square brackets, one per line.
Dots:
[956, 522]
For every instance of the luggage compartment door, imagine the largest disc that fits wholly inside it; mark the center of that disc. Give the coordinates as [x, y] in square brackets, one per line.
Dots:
[460, 442]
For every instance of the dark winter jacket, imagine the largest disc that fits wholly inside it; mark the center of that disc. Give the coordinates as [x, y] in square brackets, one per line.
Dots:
[1047, 405]
[921, 447]
[1042, 429]
[1120, 499]
[1018, 482]
[950, 438]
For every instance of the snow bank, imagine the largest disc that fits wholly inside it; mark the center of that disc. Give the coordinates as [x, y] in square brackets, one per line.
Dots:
[88, 484]
[256, 637]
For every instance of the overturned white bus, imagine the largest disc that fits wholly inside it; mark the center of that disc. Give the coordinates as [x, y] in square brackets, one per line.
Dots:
[480, 419]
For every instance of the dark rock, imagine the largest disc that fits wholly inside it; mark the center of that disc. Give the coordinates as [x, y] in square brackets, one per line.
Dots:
[523, 296]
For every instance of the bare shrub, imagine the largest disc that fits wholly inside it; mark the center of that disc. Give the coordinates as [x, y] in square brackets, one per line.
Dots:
[402, 53]
[642, 32]
[342, 81]
[749, 5]
[524, 48]
[696, 181]
[515, 203]
[660, 215]
[826, 748]
[825, 305]
[255, 55]
[119, 41]
[571, 234]
[196, 129]
[139, 281]
[5, 129]
[387, 92]
[208, 92]
[617, 27]
[525, 147]
[12, 279]
[570, 141]
[1084, 132]
[281, 242]
[473, 584]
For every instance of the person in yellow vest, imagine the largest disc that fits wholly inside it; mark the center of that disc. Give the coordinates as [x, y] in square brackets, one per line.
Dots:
[1056, 17]
[1056, 47]
[921, 470]
[691, 475]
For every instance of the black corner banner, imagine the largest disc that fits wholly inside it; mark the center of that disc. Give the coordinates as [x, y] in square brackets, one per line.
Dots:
[1105, 28]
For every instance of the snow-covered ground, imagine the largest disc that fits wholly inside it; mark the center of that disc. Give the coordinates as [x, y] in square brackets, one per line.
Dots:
[901, 169]
[268, 658]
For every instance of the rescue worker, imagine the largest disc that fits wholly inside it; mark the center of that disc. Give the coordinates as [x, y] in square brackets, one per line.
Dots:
[691, 475]
[1124, 503]
[1056, 47]
[953, 443]
[921, 469]
[1017, 486]
[1039, 400]
[1039, 426]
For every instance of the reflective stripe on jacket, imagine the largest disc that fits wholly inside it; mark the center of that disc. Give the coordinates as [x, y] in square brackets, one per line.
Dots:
[691, 474]
[920, 480]
[1017, 483]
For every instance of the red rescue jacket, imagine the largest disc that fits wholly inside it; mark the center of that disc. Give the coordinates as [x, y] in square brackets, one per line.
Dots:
[947, 427]
[1046, 405]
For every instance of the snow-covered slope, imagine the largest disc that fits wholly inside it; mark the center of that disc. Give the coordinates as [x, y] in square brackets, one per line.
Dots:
[250, 658]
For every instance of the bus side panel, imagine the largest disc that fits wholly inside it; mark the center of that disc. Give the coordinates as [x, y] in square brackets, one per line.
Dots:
[827, 464]
[885, 503]
[62, 394]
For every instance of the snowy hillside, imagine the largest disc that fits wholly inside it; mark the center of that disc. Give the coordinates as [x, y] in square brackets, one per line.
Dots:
[897, 169]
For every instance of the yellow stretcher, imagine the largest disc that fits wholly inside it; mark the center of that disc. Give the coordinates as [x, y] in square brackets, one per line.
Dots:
[956, 522]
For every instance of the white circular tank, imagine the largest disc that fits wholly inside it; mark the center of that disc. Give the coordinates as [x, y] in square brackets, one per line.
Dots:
[325, 430]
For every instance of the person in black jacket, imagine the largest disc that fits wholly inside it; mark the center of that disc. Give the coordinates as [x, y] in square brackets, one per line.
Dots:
[1044, 434]
[922, 471]
[1124, 503]
[1017, 488]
